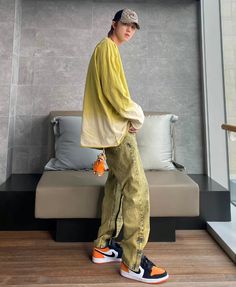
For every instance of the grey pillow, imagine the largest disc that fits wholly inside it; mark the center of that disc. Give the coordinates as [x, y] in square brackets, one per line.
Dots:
[68, 153]
[155, 141]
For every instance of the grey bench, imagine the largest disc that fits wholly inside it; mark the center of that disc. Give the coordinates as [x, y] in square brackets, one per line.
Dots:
[70, 196]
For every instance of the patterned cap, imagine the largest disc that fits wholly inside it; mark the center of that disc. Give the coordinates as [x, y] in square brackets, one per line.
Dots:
[127, 16]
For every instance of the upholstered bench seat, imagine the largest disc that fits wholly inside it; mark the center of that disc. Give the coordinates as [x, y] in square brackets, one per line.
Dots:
[78, 194]
[73, 196]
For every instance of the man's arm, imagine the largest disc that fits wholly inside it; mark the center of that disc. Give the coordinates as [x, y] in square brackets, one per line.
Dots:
[115, 88]
[132, 130]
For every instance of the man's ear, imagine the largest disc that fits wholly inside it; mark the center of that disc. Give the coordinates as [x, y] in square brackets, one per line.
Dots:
[114, 24]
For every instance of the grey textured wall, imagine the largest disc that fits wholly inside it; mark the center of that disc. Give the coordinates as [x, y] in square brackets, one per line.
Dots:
[162, 65]
[10, 12]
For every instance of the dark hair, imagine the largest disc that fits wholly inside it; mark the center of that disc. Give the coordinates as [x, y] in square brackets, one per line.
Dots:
[110, 32]
[112, 29]
[115, 19]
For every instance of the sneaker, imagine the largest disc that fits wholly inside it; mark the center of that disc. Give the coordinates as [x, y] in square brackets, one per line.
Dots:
[111, 253]
[148, 272]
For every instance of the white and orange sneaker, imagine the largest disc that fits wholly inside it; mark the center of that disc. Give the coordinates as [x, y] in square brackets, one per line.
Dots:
[111, 253]
[147, 273]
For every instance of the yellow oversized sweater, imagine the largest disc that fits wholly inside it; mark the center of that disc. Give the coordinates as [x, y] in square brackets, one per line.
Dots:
[107, 105]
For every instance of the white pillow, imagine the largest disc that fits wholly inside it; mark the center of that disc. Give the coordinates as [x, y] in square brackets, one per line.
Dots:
[155, 142]
[68, 153]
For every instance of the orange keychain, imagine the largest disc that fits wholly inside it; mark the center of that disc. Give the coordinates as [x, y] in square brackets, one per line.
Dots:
[99, 165]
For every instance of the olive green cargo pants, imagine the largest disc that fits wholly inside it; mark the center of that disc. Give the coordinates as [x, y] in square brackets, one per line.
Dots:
[126, 201]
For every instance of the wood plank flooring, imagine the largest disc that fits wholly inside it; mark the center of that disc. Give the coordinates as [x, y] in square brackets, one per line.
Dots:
[33, 258]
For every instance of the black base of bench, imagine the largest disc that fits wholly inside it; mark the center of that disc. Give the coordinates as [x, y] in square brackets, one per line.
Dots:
[76, 230]
[17, 201]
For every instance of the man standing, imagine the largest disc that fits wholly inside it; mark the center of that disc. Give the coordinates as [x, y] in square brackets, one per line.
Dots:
[110, 122]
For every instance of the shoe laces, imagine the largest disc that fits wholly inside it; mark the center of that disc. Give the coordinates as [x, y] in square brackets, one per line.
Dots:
[146, 263]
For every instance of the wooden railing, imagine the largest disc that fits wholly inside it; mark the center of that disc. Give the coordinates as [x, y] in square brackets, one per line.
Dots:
[230, 128]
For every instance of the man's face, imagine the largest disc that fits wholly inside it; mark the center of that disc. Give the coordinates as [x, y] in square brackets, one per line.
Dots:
[123, 31]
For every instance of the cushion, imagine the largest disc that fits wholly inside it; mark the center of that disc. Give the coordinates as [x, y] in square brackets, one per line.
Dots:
[155, 141]
[68, 153]
[172, 193]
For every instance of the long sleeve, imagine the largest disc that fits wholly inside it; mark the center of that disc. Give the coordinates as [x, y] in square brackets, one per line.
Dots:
[107, 107]
[114, 86]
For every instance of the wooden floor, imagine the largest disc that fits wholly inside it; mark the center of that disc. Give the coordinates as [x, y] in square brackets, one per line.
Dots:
[33, 258]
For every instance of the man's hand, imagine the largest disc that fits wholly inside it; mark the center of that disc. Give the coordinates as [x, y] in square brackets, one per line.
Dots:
[132, 129]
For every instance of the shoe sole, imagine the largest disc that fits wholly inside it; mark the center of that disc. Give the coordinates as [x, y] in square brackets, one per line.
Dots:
[105, 260]
[150, 281]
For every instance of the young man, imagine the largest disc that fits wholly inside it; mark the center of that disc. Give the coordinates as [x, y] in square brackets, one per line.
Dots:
[110, 122]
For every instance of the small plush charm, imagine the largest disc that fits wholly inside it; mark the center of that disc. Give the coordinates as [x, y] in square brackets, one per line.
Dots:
[99, 165]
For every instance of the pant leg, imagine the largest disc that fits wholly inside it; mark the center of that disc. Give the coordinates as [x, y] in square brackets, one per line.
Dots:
[125, 163]
[111, 218]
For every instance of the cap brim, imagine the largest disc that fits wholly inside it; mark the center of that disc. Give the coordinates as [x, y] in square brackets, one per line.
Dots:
[136, 24]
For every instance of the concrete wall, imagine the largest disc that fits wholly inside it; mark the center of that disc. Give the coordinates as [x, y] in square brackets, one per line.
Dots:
[10, 22]
[162, 65]
[228, 19]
